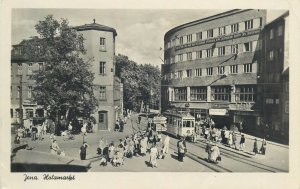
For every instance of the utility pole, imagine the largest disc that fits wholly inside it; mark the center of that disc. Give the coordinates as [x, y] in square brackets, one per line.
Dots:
[21, 102]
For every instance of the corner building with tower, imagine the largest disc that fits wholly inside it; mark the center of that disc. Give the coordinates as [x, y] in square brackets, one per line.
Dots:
[100, 52]
[211, 67]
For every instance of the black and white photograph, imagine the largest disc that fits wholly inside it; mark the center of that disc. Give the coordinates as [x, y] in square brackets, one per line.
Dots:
[123, 91]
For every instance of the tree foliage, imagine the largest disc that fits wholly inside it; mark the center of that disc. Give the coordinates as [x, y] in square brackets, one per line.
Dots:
[65, 82]
[141, 83]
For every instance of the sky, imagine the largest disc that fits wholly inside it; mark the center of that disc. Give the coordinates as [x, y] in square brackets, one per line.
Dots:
[140, 32]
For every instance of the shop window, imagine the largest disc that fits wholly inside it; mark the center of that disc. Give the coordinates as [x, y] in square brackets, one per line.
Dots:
[221, 93]
[180, 94]
[245, 93]
[198, 93]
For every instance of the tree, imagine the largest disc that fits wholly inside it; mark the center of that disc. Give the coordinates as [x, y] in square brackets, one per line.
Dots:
[65, 82]
[140, 83]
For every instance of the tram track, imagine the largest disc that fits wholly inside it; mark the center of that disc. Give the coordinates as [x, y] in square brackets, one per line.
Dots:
[193, 156]
[246, 160]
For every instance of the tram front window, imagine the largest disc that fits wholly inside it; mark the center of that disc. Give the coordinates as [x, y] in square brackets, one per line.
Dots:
[188, 124]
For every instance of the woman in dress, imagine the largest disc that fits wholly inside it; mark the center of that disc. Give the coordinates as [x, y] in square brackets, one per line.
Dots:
[143, 144]
[153, 156]
[111, 151]
[215, 153]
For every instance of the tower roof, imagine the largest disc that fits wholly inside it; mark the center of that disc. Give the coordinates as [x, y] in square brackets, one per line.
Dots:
[95, 26]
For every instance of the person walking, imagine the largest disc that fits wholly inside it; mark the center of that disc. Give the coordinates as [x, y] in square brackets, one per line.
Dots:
[101, 146]
[55, 149]
[208, 150]
[166, 145]
[242, 143]
[181, 149]
[139, 119]
[263, 147]
[83, 150]
[230, 140]
[255, 148]
[215, 153]
[234, 139]
[153, 156]
[143, 146]
[34, 130]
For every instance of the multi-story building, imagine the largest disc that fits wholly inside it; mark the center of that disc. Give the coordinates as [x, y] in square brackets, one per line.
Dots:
[274, 80]
[108, 89]
[212, 65]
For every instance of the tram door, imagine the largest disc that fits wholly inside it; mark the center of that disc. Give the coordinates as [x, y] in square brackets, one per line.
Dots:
[102, 125]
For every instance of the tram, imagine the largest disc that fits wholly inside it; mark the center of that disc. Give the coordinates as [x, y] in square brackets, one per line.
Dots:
[180, 124]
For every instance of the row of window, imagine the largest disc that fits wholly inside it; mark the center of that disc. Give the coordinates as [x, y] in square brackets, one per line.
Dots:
[102, 92]
[215, 32]
[218, 93]
[220, 51]
[247, 68]
[29, 68]
[274, 54]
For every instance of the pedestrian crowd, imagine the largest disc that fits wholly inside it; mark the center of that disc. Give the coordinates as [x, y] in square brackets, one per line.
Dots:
[138, 144]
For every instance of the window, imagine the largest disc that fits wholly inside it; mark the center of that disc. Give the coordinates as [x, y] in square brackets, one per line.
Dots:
[172, 59]
[189, 55]
[179, 74]
[102, 92]
[41, 66]
[198, 54]
[29, 113]
[221, 70]
[29, 72]
[18, 91]
[180, 94]
[209, 53]
[198, 72]
[271, 55]
[29, 91]
[271, 33]
[220, 93]
[180, 57]
[189, 38]
[222, 30]
[210, 33]
[221, 51]
[280, 30]
[286, 108]
[102, 44]
[11, 113]
[198, 93]
[245, 93]
[17, 51]
[248, 24]
[247, 68]
[248, 47]
[102, 67]
[199, 36]
[234, 49]
[234, 69]
[20, 71]
[209, 71]
[188, 73]
[269, 101]
[234, 28]
[181, 40]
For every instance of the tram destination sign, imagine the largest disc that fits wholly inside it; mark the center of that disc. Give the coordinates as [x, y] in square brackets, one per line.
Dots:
[219, 39]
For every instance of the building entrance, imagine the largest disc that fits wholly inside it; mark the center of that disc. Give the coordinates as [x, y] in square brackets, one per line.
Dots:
[102, 125]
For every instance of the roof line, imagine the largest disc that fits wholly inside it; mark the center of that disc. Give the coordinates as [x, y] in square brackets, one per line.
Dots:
[206, 19]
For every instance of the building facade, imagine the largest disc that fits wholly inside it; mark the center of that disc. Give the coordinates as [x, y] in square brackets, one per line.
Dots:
[274, 79]
[108, 89]
[211, 68]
